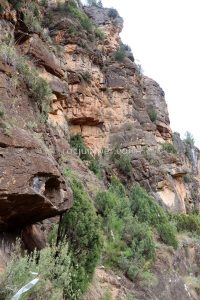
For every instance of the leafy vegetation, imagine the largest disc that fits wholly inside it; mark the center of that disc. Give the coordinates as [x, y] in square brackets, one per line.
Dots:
[187, 222]
[81, 228]
[152, 115]
[53, 264]
[17, 4]
[189, 139]
[113, 13]
[128, 244]
[95, 167]
[71, 8]
[99, 34]
[119, 54]
[2, 112]
[38, 87]
[32, 17]
[122, 162]
[84, 153]
[1, 9]
[31, 14]
[76, 142]
[147, 210]
[87, 77]
[169, 148]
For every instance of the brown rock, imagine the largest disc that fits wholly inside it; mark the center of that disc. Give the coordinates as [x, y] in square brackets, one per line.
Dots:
[35, 47]
[31, 186]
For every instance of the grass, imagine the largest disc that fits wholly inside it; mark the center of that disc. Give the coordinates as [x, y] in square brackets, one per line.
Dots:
[169, 148]
[38, 87]
[52, 263]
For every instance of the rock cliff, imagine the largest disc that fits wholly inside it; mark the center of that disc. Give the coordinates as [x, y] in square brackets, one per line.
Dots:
[100, 93]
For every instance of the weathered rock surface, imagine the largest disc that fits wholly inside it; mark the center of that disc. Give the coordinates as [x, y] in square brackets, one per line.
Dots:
[31, 186]
[110, 103]
[169, 279]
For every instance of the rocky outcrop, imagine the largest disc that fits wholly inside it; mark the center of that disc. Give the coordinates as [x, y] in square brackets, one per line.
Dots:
[32, 187]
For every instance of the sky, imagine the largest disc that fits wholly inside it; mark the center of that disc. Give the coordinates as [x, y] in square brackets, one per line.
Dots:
[164, 37]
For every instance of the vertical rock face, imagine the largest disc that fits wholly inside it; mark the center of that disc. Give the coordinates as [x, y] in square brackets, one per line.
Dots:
[108, 101]
[118, 107]
[99, 92]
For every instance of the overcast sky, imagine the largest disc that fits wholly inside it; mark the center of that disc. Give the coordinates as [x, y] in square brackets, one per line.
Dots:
[164, 37]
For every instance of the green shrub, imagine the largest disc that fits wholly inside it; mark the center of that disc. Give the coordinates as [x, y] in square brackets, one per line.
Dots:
[81, 227]
[32, 22]
[95, 167]
[72, 30]
[31, 14]
[87, 77]
[113, 13]
[147, 210]
[44, 3]
[185, 222]
[53, 264]
[1, 9]
[189, 139]
[188, 178]
[142, 241]
[17, 4]
[152, 115]
[122, 162]
[92, 2]
[2, 113]
[84, 153]
[100, 34]
[169, 148]
[76, 142]
[70, 7]
[8, 54]
[167, 234]
[128, 243]
[119, 54]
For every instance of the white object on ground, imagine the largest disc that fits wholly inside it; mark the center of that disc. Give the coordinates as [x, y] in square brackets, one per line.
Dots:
[25, 288]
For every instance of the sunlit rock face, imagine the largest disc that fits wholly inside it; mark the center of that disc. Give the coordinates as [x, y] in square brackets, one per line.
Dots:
[108, 101]
[112, 105]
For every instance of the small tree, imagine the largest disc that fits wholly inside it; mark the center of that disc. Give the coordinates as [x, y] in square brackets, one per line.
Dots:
[113, 13]
[99, 3]
[189, 139]
[81, 228]
[119, 54]
[92, 2]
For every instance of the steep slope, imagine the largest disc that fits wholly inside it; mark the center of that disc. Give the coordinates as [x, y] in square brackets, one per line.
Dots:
[65, 73]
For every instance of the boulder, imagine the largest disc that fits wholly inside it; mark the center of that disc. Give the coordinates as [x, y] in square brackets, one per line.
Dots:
[31, 186]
